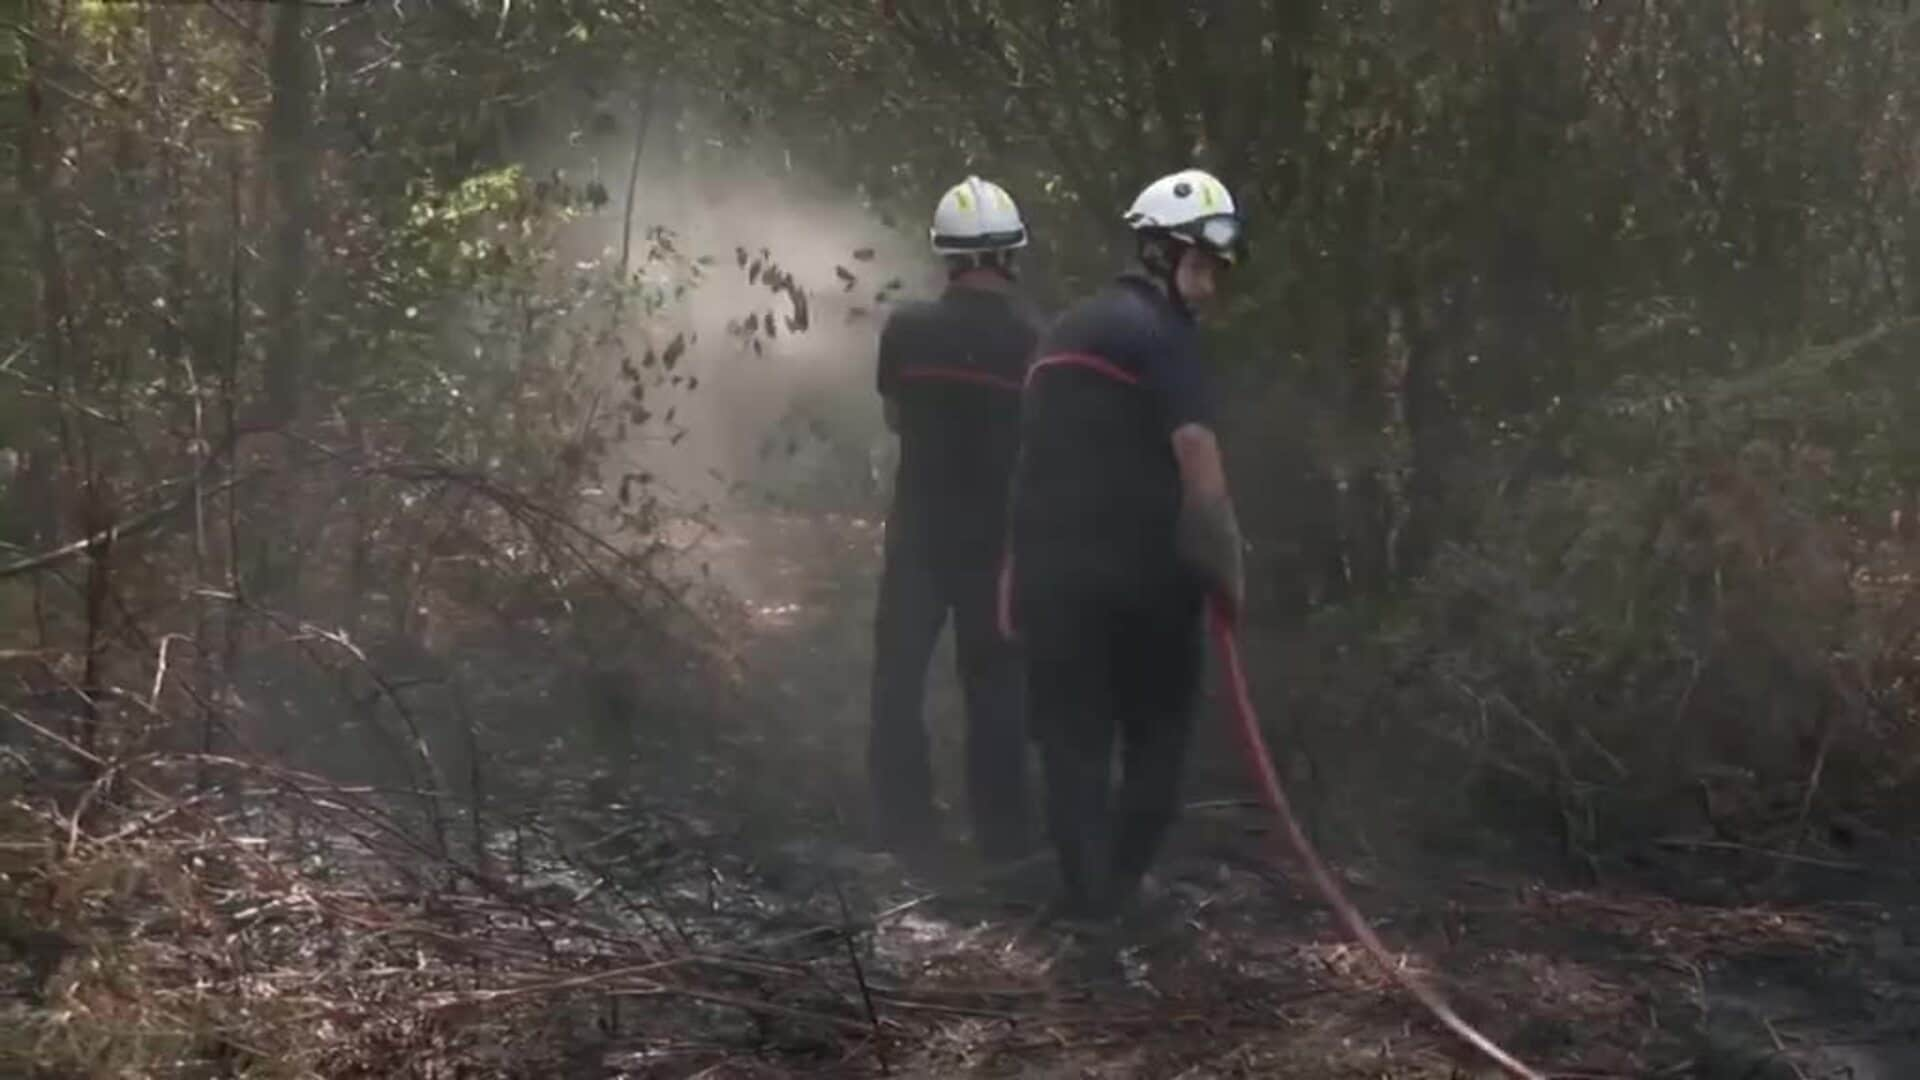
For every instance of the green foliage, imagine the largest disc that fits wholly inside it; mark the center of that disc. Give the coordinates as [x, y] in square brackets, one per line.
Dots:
[1708, 591]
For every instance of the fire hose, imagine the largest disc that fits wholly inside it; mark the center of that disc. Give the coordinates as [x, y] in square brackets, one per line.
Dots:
[1254, 744]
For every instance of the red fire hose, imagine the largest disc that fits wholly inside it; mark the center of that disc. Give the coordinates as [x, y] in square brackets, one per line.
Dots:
[1255, 746]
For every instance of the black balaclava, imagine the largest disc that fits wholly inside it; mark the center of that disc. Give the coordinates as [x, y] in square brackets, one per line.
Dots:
[961, 262]
[1158, 253]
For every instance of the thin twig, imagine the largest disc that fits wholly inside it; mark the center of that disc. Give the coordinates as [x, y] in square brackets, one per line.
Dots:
[859, 975]
[1780, 1048]
[133, 526]
[633, 171]
[203, 663]
[1813, 788]
[62, 741]
[1684, 843]
[160, 670]
[302, 632]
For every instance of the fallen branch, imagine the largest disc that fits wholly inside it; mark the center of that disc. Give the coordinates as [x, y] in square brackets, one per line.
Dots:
[1684, 843]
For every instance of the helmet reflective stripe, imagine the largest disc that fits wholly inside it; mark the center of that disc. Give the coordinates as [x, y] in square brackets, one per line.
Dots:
[977, 215]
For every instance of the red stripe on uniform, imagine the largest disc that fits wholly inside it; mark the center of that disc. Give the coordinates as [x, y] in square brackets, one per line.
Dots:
[951, 374]
[1097, 364]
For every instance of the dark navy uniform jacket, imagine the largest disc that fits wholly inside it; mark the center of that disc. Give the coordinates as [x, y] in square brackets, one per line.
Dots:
[955, 367]
[1096, 492]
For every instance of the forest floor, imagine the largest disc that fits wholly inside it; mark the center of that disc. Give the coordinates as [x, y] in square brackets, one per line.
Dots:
[715, 912]
[1807, 967]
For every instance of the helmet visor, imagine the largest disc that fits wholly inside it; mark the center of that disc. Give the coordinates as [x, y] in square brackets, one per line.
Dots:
[1220, 234]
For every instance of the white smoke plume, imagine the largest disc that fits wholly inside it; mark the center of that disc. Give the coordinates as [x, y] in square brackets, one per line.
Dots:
[796, 423]
[763, 418]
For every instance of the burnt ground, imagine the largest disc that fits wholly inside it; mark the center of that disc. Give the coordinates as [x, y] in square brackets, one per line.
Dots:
[1816, 975]
[711, 910]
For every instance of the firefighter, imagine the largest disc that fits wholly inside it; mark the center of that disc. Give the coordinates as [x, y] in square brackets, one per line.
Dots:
[950, 375]
[1121, 527]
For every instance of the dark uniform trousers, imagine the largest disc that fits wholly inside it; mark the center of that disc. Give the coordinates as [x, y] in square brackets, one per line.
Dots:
[1108, 665]
[929, 576]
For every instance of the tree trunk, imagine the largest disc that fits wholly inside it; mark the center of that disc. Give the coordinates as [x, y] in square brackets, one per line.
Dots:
[290, 164]
[291, 176]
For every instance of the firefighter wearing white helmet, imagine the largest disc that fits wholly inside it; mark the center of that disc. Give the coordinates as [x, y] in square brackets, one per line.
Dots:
[977, 225]
[1121, 528]
[1187, 210]
[950, 374]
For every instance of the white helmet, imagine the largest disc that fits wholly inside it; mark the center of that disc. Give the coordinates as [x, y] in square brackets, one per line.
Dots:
[1191, 206]
[977, 216]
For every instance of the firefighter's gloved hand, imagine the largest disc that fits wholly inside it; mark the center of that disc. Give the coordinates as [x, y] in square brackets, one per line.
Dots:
[1207, 535]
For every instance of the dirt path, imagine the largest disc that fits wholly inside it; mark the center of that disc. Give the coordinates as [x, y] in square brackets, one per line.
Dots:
[1250, 977]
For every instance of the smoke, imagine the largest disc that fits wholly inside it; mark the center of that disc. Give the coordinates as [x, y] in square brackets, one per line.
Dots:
[779, 413]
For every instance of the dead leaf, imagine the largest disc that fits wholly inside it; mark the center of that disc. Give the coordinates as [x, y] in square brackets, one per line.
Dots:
[799, 320]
